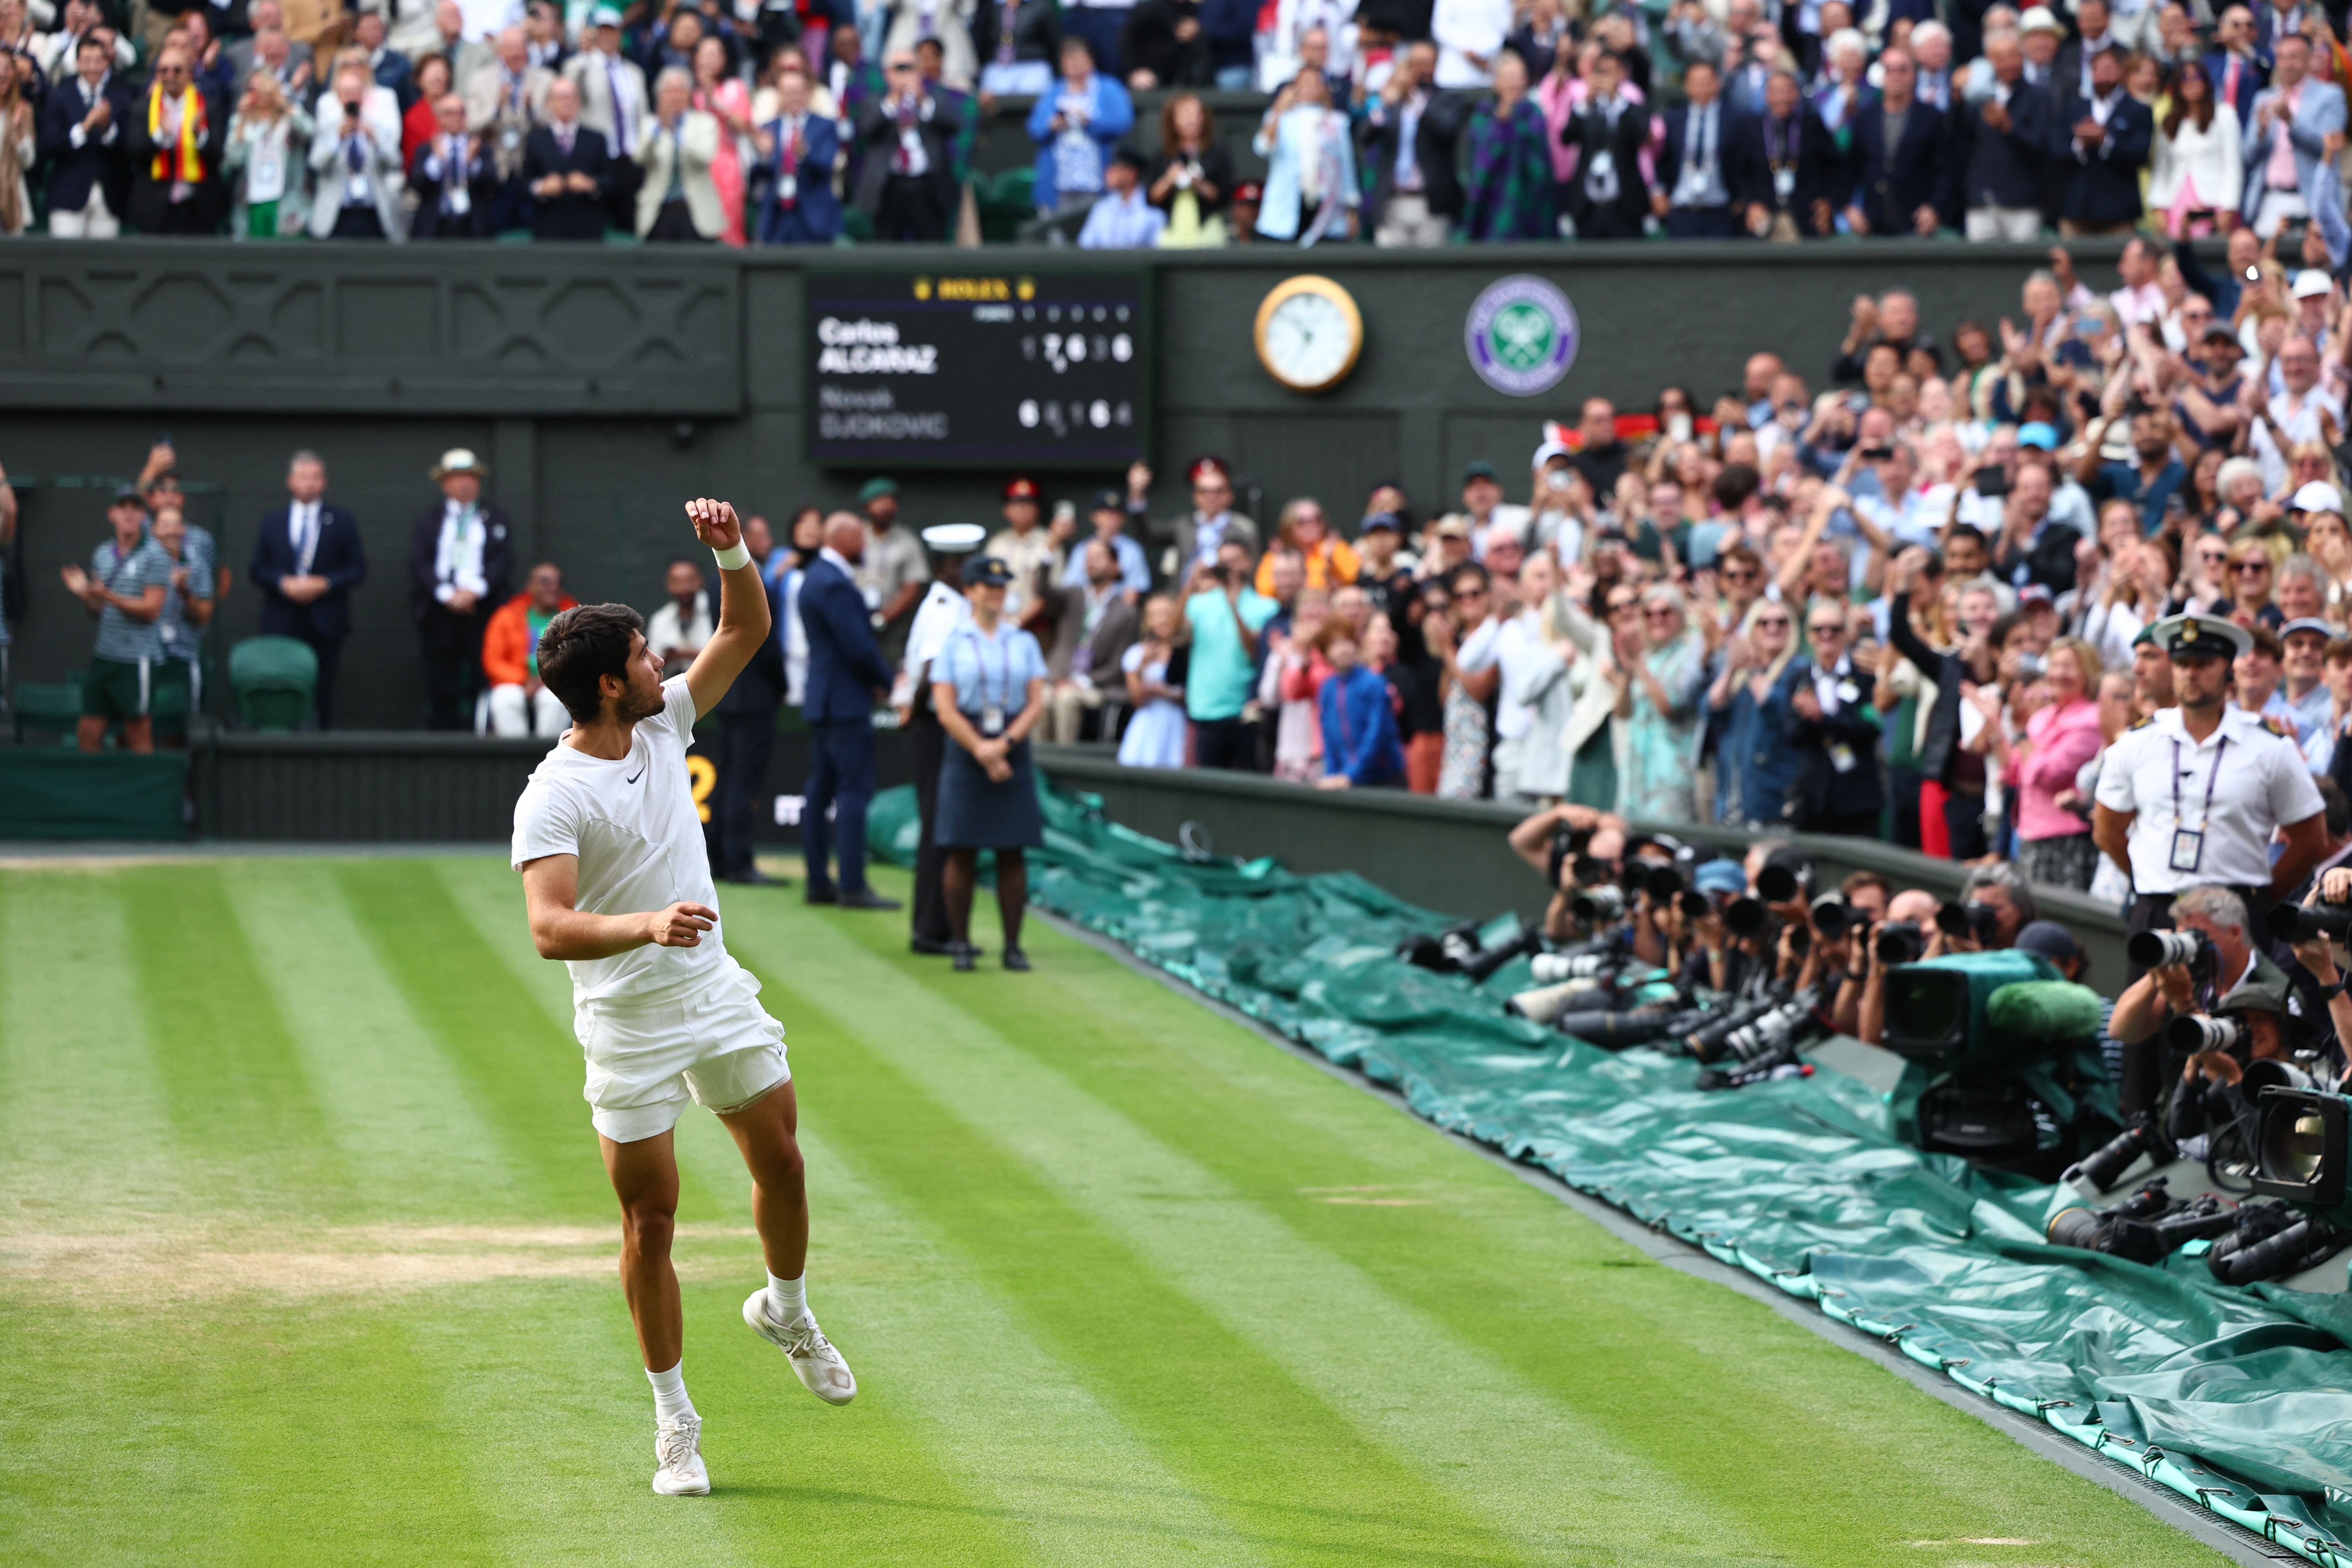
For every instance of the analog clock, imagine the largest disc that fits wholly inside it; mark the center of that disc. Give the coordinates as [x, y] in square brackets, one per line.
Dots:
[1309, 334]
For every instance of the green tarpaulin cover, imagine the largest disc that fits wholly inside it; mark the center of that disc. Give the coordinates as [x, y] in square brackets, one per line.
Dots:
[2241, 1400]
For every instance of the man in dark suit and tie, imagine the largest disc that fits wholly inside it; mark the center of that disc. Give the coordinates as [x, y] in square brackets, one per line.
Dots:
[454, 178]
[747, 728]
[307, 559]
[2001, 142]
[81, 135]
[1607, 193]
[460, 570]
[1902, 157]
[794, 179]
[2236, 71]
[2102, 142]
[1695, 197]
[1835, 738]
[846, 677]
[567, 169]
[1784, 166]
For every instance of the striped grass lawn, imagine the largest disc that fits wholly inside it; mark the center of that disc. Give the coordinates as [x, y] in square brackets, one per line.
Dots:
[306, 1256]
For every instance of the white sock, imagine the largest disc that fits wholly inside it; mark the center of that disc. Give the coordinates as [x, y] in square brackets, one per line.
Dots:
[787, 1298]
[670, 1401]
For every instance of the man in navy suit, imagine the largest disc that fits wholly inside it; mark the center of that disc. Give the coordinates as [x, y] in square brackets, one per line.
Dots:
[1694, 197]
[2002, 141]
[307, 559]
[794, 174]
[1903, 159]
[455, 178]
[1784, 166]
[845, 677]
[747, 728]
[1836, 741]
[2102, 142]
[2236, 72]
[566, 169]
[81, 135]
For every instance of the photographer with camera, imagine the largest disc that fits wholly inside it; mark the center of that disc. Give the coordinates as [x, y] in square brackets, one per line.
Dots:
[2212, 970]
[2191, 798]
[1553, 840]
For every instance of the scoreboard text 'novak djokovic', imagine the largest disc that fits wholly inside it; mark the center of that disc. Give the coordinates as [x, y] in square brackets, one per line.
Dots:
[1023, 371]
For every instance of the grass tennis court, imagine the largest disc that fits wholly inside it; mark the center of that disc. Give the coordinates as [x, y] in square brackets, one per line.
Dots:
[305, 1254]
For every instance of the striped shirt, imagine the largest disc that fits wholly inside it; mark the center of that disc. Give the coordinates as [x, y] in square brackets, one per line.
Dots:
[181, 638]
[130, 573]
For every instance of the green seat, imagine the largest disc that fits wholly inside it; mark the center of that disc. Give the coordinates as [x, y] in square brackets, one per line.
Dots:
[856, 226]
[1006, 201]
[47, 709]
[275, 681]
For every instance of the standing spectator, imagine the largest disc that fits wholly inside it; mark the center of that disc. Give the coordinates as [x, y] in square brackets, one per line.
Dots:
[893, 570]
[454, 177]
[1508, 192]
[1224, 616]
[1155, 671]
[1658, 675]
[567, 171]
[2054, 844]
[1695, 198]
[798, 151]
[2002, 138]
[173, 142]
[747, 731]
[680, 628]
[1329, 561]
[679, 202]
[1835, 737]
[1903, 156]
[1469, 692]
[1409, 135]
[2237, 75]
[1097, 25]
[2278, 424]
[1195, 537]
[82, 138]
[1193, 180]
[2197, 173]
[357, 165]
[422, 119]
[1785, 166]
[465, 57]
[1091, 623]
[1470, 36]
[1108, 517]
[1607, 189]
[944, 24]
[1122, 219]
[504, 102]
[1310, 181]
[266, 157]
[847, 677]
[2304, 701]
[187, 607]
[521, 703]
[906, 182]
[2103, 141]
[1075, 126]
[460, 566]
[2034, 547]
[2296, 128]
[307, 559]
[1016, 42]
[612, 102]
[124, 589]
[1752, 700]
[387, 67]
[1360, 749]
[1165, 44]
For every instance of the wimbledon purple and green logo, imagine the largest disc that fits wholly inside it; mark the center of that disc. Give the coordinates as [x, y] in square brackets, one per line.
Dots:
[1521, 335]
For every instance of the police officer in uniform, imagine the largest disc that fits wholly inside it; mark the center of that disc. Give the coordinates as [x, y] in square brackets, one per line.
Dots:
[2192, 796]
[943, 610]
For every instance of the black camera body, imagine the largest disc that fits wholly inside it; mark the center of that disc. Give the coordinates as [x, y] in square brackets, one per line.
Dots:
[1974, 920]
[2144, 1226]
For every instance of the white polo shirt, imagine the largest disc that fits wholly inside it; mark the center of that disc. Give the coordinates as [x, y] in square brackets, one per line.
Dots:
[2257, 779]
[638, 836]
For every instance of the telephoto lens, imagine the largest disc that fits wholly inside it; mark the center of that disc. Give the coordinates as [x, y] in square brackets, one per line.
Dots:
[1746, 917]
[1485, 961]
[2301, 922]
[1600, 905]
[1546, 1003]
[1662, 883]
[2158, 948]
[2121, 1230]
[1612, 1030]
[1901, 943]
[2193, 1032]
[1776, 884]
[1832, 916]
[2272, 1241]
[1973, 919]
[2105, 1166]
[1695, 906]
[1705, 1042]
[1553, 967]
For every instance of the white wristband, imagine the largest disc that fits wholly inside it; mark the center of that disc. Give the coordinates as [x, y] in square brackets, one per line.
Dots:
[737, 554]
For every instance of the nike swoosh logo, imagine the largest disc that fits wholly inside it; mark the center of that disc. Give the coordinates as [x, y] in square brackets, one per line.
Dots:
[636, 776]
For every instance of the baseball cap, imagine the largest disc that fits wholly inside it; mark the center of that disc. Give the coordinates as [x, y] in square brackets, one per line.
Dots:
[1481, 471]
[1387, 520]
[2048, 938]
[2318, 496]
[1548, 450]
[1107, 500]
[1720, 876]
[2308, 623]
[875, 489]
[128, 493]
[1020, 487]
[2038, 433]
[2310, 283]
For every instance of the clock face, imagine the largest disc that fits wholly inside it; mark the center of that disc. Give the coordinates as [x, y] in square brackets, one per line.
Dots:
[1311, 338]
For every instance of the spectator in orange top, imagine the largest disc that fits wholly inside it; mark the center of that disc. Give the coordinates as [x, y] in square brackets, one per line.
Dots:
[1330, 561]
[520, 705]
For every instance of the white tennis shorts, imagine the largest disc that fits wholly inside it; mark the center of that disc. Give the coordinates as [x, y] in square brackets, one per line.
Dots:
[715, 1045]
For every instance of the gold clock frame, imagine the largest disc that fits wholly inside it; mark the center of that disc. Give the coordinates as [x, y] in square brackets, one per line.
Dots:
[1309, 283]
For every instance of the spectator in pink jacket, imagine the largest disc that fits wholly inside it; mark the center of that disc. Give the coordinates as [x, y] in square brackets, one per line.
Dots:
[2053, 843]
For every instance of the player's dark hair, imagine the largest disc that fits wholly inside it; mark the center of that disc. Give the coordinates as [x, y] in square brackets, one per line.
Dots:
[580, 646]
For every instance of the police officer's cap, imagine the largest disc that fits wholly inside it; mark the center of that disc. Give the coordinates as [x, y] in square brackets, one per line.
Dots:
[988, 570]
[954, 538]
[2201, 637]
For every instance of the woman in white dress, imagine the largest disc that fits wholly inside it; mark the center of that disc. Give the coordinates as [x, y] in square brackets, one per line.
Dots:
[1155, 689]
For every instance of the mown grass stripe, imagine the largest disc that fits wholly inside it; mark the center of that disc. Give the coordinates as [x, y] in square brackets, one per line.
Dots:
[1295, 1477]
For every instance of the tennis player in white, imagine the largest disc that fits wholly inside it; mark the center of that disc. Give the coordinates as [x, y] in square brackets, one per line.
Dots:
[618, 885]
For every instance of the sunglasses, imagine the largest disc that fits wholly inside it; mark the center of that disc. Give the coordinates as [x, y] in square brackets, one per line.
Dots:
[1660, 614]
[1740, 576]
[1826, 631]
[1772, 621]
[2250, 566]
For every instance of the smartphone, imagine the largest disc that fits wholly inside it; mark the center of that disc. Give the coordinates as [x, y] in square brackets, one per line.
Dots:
[1876, 454]
[1992, 481]
[1065, 511]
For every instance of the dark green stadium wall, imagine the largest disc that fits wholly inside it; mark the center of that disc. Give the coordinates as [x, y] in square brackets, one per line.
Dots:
[606, 384]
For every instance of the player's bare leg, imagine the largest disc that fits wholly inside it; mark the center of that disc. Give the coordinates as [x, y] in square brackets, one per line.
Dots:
[644, 1178]
[766, 1131]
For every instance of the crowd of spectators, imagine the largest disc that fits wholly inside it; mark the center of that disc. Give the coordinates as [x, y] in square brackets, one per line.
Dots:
[1402, 121]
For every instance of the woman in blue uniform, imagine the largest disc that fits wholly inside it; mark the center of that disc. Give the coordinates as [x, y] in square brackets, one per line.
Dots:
[988, 690]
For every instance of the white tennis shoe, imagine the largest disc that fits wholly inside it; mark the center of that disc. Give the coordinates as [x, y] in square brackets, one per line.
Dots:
[817, 1363]
[678, 1450]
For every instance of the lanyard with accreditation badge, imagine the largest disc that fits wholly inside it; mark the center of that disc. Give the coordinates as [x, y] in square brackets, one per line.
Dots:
[2188, 846]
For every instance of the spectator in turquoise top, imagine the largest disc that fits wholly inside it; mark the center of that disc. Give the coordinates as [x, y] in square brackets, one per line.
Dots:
[1360, 749]
[1225, 614]
[130, 575]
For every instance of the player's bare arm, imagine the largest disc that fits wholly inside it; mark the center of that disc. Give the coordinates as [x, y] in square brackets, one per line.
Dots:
[742, 606]
[551, 888]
